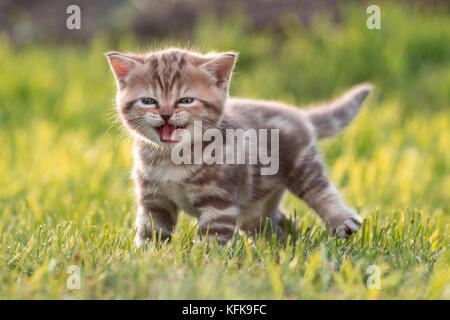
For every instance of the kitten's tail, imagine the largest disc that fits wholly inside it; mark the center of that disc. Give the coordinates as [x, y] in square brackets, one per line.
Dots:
[331, 118]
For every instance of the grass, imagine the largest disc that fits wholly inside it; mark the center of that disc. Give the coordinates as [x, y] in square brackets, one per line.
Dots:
[66, 197]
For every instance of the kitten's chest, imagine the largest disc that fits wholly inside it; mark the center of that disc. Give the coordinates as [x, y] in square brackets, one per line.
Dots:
[170, 181]
[180, 194]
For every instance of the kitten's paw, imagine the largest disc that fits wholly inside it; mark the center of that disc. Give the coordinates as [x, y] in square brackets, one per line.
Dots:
[346, 226]
[142, 236]
[139, 239]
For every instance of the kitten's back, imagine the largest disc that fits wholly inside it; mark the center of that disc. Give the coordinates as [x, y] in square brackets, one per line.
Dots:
[326, 120]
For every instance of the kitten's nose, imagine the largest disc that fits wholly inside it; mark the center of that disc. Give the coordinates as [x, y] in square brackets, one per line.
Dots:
[165, 116]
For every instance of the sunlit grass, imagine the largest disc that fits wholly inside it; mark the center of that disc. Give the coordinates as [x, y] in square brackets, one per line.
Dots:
[66, 197]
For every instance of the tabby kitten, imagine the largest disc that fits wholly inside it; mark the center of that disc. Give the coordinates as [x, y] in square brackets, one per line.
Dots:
[160, 95]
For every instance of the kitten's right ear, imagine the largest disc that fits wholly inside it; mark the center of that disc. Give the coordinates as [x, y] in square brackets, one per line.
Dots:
[121, 65]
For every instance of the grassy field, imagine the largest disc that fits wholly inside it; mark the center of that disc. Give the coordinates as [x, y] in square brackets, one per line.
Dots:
[66, 197]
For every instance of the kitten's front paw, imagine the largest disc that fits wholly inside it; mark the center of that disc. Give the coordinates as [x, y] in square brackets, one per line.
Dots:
[142, 235]
[140, 238]
[344, 227]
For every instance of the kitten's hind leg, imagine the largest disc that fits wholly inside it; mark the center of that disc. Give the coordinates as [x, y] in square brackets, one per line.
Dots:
[309, 182]
[265, 211]
[274, 223]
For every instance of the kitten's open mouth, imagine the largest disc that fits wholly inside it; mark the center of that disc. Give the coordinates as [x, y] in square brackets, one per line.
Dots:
[169, 133]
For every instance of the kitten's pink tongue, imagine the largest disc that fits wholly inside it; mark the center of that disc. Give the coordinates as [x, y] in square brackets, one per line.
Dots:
[166, 133]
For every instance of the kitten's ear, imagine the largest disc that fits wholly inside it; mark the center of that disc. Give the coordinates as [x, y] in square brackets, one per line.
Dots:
[121, 64]
[221, 67]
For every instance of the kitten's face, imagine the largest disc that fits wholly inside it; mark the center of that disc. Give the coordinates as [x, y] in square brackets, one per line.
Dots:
[161, 94]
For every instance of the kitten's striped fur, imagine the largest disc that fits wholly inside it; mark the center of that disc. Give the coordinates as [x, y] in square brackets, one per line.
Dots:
[223, 196]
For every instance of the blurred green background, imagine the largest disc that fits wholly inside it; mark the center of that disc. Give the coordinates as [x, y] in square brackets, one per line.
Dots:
[66, 196]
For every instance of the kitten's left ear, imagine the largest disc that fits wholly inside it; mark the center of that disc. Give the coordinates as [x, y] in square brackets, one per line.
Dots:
[221, 67]
[121, 65]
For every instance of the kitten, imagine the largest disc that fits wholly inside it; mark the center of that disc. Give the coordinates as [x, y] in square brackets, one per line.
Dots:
[160, 95]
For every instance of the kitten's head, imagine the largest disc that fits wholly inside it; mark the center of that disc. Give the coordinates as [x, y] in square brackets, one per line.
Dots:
[162, 93]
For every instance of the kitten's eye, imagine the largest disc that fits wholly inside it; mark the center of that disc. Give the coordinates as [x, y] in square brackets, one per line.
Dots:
[186, 100]
[148, 101]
